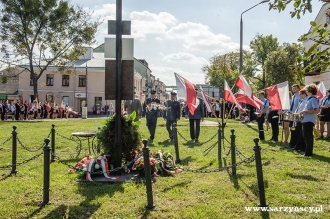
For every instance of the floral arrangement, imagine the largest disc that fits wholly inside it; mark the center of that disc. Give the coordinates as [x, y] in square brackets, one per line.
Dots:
[155, 107]
[88, 166]
[160, 162]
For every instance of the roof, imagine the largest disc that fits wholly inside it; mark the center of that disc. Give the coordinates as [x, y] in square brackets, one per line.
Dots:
[10, 88]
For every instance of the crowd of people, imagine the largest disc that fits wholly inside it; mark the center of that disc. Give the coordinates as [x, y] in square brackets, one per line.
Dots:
[300, 121]
[19, 110]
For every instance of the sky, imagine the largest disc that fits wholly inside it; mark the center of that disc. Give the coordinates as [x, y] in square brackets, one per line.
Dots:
[182, 35]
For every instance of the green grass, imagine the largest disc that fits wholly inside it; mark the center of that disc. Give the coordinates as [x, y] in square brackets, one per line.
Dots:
[290, 180]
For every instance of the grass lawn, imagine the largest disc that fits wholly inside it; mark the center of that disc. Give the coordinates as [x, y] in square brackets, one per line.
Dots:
[290, 179]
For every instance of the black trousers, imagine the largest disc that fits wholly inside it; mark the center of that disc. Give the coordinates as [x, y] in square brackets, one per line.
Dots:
[194, 134]
[152, 123]
[169, 127]
[275, 128]
[301, 145]
[307, 129]
[294, 137]
[261, 121]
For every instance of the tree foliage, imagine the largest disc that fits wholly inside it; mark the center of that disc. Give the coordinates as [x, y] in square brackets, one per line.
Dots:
[222, 67]
[46, 32]
[314, 59]
[278, 66]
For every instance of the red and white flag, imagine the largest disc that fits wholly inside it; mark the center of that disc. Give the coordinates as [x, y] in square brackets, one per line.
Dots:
[47, 106]
[186, 91]
[322, 92]
[278, 96]
[244, 85]
[206, 101]
[29, 107]
[229, 96]
[22, 100]
[242, 98]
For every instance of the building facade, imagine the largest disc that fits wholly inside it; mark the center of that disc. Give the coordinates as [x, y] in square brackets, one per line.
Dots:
[86, 85]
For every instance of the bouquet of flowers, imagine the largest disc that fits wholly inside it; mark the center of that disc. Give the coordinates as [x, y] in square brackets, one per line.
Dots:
[88, 166]
[155, 107]
[160, 162]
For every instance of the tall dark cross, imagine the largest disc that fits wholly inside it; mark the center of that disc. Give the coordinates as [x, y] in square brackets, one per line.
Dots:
[119, 76]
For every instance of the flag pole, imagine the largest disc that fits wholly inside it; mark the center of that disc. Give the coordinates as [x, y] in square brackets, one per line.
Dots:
[206, 94]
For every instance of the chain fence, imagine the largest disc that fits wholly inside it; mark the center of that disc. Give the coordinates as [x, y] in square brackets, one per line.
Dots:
[246, 161]
[8, 139]
[24, 162]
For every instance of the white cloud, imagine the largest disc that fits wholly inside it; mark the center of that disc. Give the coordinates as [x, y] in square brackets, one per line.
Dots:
[199, 37]
[144, 23]
[166, 75]
[159, 39]
[106, 10]
[183, 57]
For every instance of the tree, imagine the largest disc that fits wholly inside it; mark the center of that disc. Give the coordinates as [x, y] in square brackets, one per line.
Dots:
[261, 47]
[278, 65]
[222, 67]
[37, 28]
[314, 59]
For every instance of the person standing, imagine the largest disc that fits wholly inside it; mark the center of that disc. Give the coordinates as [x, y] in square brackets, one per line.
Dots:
[261, 115]
[172, 114]
[106, 108]
[324, 114]
[111, 110]
[272, 117]
[309, 118]
[134, 105]
[17, 110]
[301, 146]
[195, 118]
[293, 108]
[152, 115]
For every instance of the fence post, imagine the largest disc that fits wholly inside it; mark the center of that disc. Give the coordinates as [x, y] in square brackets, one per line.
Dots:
[47, 150]
[233, 152]
[261, 186]
[176, 144]
[14, 151]
[53, 143]
[147, 170]
[219, 142]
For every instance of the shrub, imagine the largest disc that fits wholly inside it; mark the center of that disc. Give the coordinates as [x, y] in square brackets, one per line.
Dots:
[131, 136]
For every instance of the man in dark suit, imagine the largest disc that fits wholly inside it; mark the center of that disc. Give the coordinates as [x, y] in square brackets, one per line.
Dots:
[152, 115]
[134, 105]
[195, 118]
[17, 110]
[172, 114]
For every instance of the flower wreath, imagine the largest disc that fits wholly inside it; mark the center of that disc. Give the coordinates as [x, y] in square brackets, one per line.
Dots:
[155, 107]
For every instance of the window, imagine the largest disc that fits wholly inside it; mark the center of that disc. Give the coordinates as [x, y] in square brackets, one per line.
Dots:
[98, 101]
[82, 80]
[65, 100]
[49, 80]
[65, 80]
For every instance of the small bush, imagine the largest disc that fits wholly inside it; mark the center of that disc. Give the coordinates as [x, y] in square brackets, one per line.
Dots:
[130, 132]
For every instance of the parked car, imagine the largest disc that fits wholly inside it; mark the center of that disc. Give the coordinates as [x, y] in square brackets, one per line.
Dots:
[72, 114]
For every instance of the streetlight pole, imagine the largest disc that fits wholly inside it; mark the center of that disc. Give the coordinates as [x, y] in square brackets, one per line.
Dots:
[241, 36]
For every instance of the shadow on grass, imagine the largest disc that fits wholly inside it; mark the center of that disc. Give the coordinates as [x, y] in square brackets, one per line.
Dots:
[321, 158]
[186, 160]
[166, 143]
[249, 125]
[179, 185]
[5, 176]
[52, 213]
[303, 177]
[192, 144]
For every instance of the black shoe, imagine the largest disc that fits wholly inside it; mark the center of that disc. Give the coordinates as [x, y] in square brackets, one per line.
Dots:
[196, 140]
[271, 139]
[307, 155]
[151, 140]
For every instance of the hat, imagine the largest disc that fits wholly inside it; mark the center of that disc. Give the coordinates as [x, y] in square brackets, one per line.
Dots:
[153, 92]
[173, 94]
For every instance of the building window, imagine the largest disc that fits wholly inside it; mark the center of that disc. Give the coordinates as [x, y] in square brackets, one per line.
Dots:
[98, 101]
[49, 80]
[65, 100]
[82, 80]
[65, 80]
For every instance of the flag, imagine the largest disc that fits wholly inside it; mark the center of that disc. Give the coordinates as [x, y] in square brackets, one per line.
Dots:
[242, 98]
[54, 101]
[29, 107]
[244, 85]
[229, 96]
[278, 96]
[206, 101]
[322, 92]
[186, 91]
[62, 105]
[47, 105]
[22, 100]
